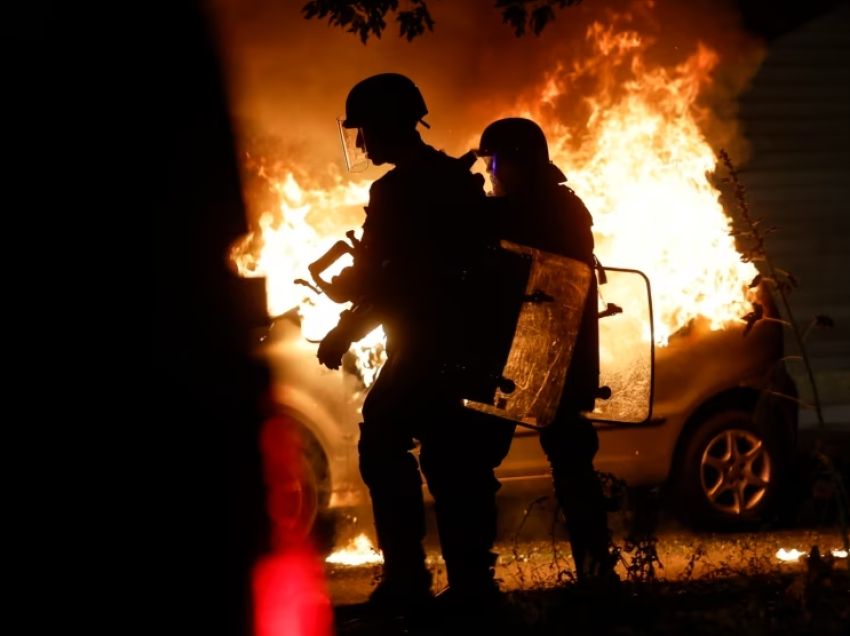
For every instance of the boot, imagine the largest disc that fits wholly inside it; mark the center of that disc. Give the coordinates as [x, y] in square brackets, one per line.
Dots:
[481, 606]
[597, 575]
[402, 594]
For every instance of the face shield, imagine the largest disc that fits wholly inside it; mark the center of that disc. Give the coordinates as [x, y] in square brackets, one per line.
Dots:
[353, 147]
[489, 163]
[490, 167]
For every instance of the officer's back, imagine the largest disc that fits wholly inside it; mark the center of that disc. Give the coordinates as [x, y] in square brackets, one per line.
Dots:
[549, 217]
[421, 225]
[422, 218]
[535, 209]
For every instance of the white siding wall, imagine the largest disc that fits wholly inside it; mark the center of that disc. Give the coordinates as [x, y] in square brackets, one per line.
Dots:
[797, 117]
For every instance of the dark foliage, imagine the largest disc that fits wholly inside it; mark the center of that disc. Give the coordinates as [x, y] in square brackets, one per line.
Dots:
[368, 18]
[535, 14]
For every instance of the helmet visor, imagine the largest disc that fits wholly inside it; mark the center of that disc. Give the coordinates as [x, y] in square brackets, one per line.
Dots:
[353, 148]
[488, 159]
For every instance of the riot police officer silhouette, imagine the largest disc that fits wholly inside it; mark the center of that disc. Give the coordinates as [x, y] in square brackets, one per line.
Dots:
[423, 222]
[534, 208]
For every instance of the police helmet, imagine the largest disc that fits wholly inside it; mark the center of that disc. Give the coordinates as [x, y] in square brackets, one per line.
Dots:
[385, 99]
[521, 140]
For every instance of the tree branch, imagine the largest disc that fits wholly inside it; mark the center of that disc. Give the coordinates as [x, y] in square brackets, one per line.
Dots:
[368, 18]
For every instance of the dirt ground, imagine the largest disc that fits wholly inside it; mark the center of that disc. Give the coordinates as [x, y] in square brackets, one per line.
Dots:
[703, 583]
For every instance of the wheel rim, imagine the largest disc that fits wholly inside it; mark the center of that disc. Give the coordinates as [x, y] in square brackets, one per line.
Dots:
[735, 471]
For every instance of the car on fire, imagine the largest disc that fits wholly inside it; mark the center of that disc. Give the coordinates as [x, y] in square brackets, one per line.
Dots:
[714, 434]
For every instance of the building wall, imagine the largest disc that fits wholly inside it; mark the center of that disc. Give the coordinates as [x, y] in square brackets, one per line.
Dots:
[797, 117]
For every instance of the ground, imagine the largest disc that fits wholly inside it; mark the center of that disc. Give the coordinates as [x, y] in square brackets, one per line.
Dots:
[709, 584]
[702, 583]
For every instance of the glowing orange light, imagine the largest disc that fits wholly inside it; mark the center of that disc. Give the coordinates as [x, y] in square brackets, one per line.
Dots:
[290, 598]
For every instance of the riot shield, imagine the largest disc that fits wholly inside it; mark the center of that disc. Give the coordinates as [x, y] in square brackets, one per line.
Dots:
[543, 335]
[626, 348]
[475, 338]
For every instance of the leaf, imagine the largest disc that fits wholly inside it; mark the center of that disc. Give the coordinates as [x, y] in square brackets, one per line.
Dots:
[822, 320]
[366, 18]
[515, 13]
[517, 17]
[540, 17]
[413, 23]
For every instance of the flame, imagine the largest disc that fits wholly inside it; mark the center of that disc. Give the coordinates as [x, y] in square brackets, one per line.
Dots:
[640, 162]
[359, 551]
[789, 555]
[294, 236]
[303, 227]
[794, 554]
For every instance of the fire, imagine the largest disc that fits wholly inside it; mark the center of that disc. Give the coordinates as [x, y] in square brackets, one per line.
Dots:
[641, 166]
[794, 554]
[359, 551]
[305, 224]
[295, 235]
[640, 162]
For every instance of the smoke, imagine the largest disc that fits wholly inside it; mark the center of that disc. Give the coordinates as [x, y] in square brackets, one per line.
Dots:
[289, 77]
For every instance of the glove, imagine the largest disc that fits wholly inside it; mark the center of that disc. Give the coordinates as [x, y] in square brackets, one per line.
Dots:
[333, 346]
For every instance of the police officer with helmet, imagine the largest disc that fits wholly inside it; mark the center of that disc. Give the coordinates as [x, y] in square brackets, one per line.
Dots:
[423, 224]
[534, 208]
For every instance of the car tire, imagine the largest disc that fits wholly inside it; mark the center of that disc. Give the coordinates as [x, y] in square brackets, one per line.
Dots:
[294, 502]
[299, 492]
[730, 473]
[319, 521]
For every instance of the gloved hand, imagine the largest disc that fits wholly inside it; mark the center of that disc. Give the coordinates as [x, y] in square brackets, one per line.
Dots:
[333, 347]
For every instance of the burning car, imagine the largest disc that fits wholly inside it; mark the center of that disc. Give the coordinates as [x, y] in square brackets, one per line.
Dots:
[693, 401]
[708, 430]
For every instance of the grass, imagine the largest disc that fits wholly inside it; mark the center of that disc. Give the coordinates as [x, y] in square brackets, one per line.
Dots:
[749, 593]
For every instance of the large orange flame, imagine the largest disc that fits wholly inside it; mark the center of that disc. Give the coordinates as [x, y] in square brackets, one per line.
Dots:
[641, 167]
[639, 161]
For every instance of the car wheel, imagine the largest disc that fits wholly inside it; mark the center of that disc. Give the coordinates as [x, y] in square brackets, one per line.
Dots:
[294, 502]
[297, 491]
[729, 473]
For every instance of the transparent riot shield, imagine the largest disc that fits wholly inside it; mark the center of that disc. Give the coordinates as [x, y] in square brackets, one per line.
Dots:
[626, 348]
[548, 319]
